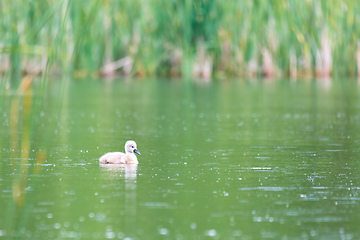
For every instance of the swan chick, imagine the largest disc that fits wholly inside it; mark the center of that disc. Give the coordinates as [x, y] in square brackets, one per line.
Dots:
[128, 157]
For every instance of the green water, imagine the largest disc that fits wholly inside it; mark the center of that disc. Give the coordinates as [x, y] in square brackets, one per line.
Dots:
[227, 160]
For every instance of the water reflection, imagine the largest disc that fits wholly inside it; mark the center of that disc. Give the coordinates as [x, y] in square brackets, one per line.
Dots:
[129, 173]
[21, 109]
[24, 92]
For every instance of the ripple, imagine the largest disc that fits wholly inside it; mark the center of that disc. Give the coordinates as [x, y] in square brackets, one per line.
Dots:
[157, 205]
[336, 150]
[269, 189]
[260, 168]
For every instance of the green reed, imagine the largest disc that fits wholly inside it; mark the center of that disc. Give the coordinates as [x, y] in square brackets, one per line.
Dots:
[169, 38]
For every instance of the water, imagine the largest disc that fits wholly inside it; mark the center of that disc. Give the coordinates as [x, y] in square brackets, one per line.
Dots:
[227, 160]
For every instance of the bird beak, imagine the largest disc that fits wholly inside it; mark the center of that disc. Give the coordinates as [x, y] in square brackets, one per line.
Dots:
[136, 151]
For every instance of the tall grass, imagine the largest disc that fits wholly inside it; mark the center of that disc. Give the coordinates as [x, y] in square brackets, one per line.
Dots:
[188, 38]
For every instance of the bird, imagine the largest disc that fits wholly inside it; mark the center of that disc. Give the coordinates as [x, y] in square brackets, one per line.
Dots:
[128, 157]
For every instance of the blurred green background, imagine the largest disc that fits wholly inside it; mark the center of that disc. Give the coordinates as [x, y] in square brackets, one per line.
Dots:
[185, 39]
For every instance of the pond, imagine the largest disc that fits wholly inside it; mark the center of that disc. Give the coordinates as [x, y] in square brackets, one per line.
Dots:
[224, 160]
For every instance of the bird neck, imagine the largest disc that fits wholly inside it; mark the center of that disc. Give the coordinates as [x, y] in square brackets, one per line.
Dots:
[133, 157]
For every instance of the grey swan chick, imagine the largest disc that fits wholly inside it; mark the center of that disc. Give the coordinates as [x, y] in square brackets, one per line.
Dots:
[128, 157]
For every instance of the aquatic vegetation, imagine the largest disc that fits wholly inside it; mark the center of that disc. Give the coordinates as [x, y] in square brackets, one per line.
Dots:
[190, 38]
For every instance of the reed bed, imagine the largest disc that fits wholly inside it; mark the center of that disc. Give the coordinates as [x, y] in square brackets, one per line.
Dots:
[187, 39]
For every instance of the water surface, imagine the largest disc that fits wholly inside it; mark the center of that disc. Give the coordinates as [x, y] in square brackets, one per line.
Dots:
[226, 160]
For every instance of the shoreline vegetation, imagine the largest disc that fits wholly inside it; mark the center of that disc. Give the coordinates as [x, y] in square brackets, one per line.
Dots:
[201, 39]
